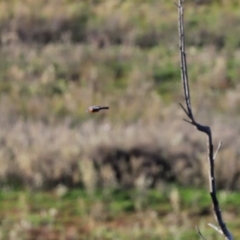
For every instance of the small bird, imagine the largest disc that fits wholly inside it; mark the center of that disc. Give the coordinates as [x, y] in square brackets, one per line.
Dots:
[94, 109]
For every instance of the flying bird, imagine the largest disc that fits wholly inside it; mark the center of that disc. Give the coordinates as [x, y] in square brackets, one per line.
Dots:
[94, 109]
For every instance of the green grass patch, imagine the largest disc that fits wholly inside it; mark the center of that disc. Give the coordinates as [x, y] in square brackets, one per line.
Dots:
[112, 213]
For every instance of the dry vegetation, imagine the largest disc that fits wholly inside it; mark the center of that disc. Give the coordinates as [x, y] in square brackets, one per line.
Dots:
[54, 64]
[91, 156]
[60, 56]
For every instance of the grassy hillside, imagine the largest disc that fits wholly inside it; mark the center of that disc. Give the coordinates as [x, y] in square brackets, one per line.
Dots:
[170, 214]
[113, 175]
[59, 57]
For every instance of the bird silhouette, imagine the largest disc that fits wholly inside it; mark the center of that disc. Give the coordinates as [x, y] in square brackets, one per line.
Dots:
[94, 109]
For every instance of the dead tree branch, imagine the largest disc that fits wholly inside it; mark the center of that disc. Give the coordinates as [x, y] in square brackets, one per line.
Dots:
[205, 129]
[199, 233]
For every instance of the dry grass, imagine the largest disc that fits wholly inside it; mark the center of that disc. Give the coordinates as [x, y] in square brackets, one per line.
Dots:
[39, 155]
[59, 57]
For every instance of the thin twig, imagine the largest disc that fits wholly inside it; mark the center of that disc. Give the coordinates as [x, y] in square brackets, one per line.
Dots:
[199, 233]
[218, 148]
[202, 128]
[215, 228]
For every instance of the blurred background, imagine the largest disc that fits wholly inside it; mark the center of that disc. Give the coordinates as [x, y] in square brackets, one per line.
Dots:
[136, 171]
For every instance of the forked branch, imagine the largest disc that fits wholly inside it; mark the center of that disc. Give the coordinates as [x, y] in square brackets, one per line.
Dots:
[206, 129]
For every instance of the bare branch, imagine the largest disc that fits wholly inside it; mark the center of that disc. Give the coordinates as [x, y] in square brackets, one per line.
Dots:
[219, 146]
[215, 228]
[201, 128]
[199, 233]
